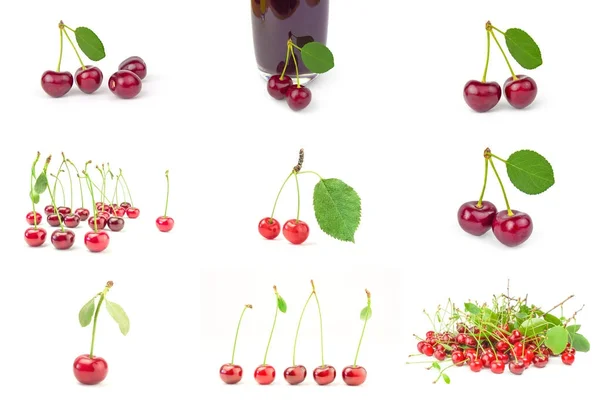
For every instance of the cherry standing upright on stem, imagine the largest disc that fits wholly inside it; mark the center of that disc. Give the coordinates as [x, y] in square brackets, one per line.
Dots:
[323, 374]
[265, 374]
[57, 83]
[355, 375]
[34, 236]
[96, 240]
[229, 372]
[131, 211]
[165, 223]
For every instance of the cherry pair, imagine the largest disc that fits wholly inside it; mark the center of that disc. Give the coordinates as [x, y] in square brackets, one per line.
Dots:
[295, 231]
[282, 87]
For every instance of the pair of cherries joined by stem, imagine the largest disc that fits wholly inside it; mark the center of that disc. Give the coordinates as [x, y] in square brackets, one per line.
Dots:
[529, 172]
[315, 56]
[91, 369]
[337, 208]
[323, 374]
[125, 83]
[520, 90]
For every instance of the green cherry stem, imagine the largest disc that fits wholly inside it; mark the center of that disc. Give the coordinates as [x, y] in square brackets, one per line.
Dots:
[278, 194]
[103, 174]
[102, 297]
[56, 180]
[62, 188]
[168, 190]
[104, 197]
[31, 184]
[320, 325]
[498, 30]
[487, 58]
[485, 176]
[503, 54]
[509, 211]
[62, 26]
[287, 60]
[298, 194]
[115, 198]
[362, 334]
[299, 322]
[78, 180]
[60, 54]
[274, 321]
[90, 184]
[296, 65]
[237, 331]
[126, 186]
[70, 179]
[52, 198]
[312, 172]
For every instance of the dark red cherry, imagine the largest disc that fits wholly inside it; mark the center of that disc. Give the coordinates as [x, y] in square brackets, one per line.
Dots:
[115, 223]
[57, 84]
[83, 213]
[64, 210]
[54, 220]
[125, 84]
[63, 239]
[33, 218]
[72, 220]
[482, 96]
[324, 375]
[35, 237]
[90, 79]
[475, 219]
[521, 92]
[295, 374]
[512, 230]
[136, 65]
[278, 87]
[97, 222]
[48, 210]
[298, 98]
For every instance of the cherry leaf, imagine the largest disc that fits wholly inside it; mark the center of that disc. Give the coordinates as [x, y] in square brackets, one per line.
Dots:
[89, 43]
[446, 378]
[337, 209]
[436, 365]
[523, 48]
[366, 313]
[34, 196]
[529, 172]
[281, 304]
[552, 319]
[556, 339]
[574, 328]
[41, 183]
[87, 312]
[472, 308]
[580, 343]
[534, 326]
[119, 316]
[317, 57]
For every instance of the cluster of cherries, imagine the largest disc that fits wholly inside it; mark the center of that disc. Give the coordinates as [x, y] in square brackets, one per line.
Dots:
[295, 231]
[282, 87]
[520, 91]
[471, 348]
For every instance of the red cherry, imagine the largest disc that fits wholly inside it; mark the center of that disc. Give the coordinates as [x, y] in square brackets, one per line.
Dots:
[517, 367]
[35, 237]
[90, 370]
[105, 215]
[440, 355]
[567, 358]
[136, 65]
[72, 220]
[264, 374]
[90, 79]
[470, 354]
[96, 241]
[83, 213]
[298, 98]
[54, 220]
[295, 374]
[57, 84]
[487, 358]
[540, 360]
[476, 365]
[125, 205]
[125, 84]
[278, 87]
[521, 92]
[33, 218]
[115, 223]
[512, 230]
[502, 346]
[505, 358]
[482, 96]
[324, 375]
[48, 210]
[100, 223]
[64, 210]
[63, 239]
[133, 212]
[231, 374]
[515, 337]
[476, 220]
[165, 224]
[354, 375]
[420, 345]
[269, 228]
[295, 231]
[458, 358]
[120, 212]
[427, 349]
[497, 366]
[430, 334]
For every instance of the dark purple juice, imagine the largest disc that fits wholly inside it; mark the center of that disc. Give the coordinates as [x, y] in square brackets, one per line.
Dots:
[276, 21]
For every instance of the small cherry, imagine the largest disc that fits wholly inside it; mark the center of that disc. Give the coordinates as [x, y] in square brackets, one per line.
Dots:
[567, 358]
[517, 367]
[497, 366]
[96, 240]
[63, 239]
[278, 86]
[269, 228]
[72, 220]
[165, 223]
[33, 218]
[105, 215]
[35, 237]
[57, 83]
[133, 212]
[427, 350]
[520, 91]
[298, 97]
[125, 84]
[476, 365]
[89, 79]
[90, 369]
[125, 205]
[98, 221]
[476, 217]
[83, 213]
[48, 210]
[355, 375]
[512, 228]
[229, 372]
[295, 231]
[265, 374]
[540, 360]
[458, 358]
[115, 223]
[136, 65]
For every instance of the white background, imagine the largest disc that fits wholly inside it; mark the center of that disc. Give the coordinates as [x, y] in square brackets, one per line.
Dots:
[389, 120]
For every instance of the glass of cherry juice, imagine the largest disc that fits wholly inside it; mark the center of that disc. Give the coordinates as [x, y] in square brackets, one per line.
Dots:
[274, 22]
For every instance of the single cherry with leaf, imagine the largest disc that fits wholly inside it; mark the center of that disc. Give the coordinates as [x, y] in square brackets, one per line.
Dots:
[355, 375]
[265, 373]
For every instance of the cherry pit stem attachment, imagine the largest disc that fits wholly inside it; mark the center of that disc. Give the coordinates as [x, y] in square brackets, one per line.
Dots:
[246, 307]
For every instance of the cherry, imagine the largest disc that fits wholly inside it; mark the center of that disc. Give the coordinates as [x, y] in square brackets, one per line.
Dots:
[90, 79]
[354, 375]
[105, 215]
[119, 212]
[458, 358]
[136, 65]
[515, 337]
[90, 370]
[115, 223]
[461, 339]
[48, 210]
[33, 218]
[63, 239]
[298, 97]
[231, 374]
[470, 341]
[528, 357]
[461, 328]
[517, 367]
[502, 346]
[83, 213]
[475, 219]
[440, 355]
[96, 241]
[72, 220]
[64, 210]
[57, 84]
[295, 374]
[470, 354]
[487, 358]
[427, 350]
[35, 237]
[295, 231]
[430, 334]
[420, 345]
[567, 358]
[278, 87]
[125, 205]
[54, 220]
[476, 365]
[540, 360]
[482, 96]
[504, 358]
[133, 212]
[269, 228]
[324, 375]
[125, 84]
[100, 222]
[497, 366]
[264, 374]
[165, 224]
[520, 92]
[512, 230]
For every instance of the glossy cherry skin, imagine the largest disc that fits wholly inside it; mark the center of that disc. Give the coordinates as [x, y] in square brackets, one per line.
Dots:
[136, 65]
[90, 79]
[567, 358]
[125, 205]
[520, 93]
[476, 220]
[100, 223]
[476, 365]
[295, 231]
[120, 212]
[72, 220]
[324, 375]
[83, 213]
[96, 241]
[540, 361]
[231, 374]
[90, 370]
[125, 84]
[517, 367]
[269, 228]
[354, 375]
[33, 218]
[295, 374]
[278, 87]
[164, 224]
[133, 212]
[54, 220]
[482, 96]
[57, 84]
[105, 215]
[115, 223]
[64, 210]
[48, 210]
[63, 239]
[512, 230]
[497, 367]
[35, 237]
[298, 98]
[264, 374]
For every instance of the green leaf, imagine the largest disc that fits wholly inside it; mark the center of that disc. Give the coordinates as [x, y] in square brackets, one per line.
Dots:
[89, 43]
[281, 304]
[302, 41]
[530, 172]
[337, 208]
[317, 57]
[552, 319]
[534, 326]
[436, 365]
[446, 378]
[119, 316]
[34, 196]
[580, 343]
[574, 328]
[556, 339]
[472, 308]
[520, 315]
[489, 316]
[41, 183]
[87, 312]
[366, 313]
[523, 48]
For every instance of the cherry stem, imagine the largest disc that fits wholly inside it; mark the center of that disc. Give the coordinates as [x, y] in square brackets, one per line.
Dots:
[504, 55]
[102, 297]
[126, 186]
[31, 180]
[487, 59]
[52, 199]
[298, 193]
[168, 190]
[273, 328]
[60, 54]
[295, 64]
[298, 329]
[116, 193]
[485, 176]
[62, 188]
[238, 331]
[498, 30]
[509, 211]
[362, 334]
[78, 179]
[321, 328]
[89, 182]
[312, 172]
[278, 194]
[560, 304]
[56, 180]
[104, 196]
[72, 44]
[103, 174]
[70, 179]
[287, 60]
